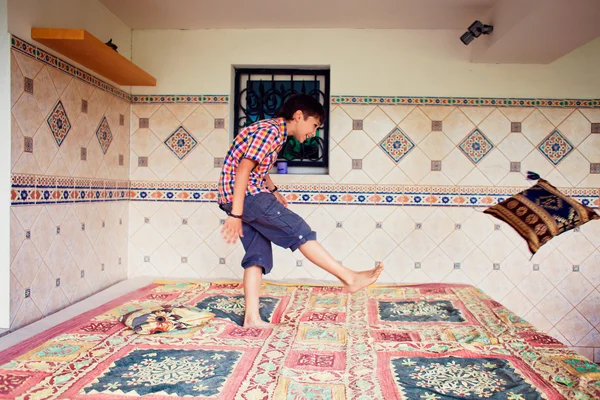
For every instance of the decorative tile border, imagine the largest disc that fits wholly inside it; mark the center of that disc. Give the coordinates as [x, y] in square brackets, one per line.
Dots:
[42, 189]
[173, 191]
[391, 100]
[394, 195]
[179, 98]
[586, 196]
[466, 101]
[43, 56]
[32, 189]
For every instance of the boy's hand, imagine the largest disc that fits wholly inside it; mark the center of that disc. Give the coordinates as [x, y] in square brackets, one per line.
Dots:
[232, 229]
[281, 199]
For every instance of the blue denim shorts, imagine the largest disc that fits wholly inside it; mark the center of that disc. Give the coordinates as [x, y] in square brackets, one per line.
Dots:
[267, 221]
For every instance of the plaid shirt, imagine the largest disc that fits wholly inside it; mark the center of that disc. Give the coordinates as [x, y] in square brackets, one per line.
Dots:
[260, 142]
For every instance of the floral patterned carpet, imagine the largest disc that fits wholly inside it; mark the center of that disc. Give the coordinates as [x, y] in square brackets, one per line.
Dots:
[416, 342]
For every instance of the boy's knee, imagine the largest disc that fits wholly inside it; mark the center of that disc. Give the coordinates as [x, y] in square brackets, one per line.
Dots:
[265, 263]
[303, 238]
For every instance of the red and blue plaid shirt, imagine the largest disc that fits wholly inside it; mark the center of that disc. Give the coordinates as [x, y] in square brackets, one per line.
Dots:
[260, 142]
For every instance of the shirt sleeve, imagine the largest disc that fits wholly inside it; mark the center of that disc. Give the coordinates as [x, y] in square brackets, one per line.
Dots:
[260, 143]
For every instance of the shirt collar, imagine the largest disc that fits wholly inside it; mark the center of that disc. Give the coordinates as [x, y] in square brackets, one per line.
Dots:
[283, 129]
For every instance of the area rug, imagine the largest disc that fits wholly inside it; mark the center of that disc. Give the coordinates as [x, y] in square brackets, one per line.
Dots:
[434, 341]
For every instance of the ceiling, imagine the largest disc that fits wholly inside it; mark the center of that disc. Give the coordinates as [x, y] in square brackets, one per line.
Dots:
[240, 14]
[525, 31]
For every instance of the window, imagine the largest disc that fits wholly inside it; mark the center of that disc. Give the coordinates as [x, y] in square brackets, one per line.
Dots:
[260, 93]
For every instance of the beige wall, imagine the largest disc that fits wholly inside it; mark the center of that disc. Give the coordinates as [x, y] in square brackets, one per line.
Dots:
[4, 166]
[90, 15]
[363, 63]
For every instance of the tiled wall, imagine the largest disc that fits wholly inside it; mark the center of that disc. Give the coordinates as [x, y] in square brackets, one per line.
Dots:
[458, 146]
[70, 160]
[407, 186]
[178, 142]
[63, 253]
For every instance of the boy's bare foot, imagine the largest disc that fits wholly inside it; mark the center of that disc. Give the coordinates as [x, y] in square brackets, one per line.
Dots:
[257, 323]
[363, 279]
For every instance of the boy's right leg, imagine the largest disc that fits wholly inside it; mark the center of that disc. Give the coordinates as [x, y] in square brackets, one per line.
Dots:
[252, 281]
[258, 259]
[353, 280]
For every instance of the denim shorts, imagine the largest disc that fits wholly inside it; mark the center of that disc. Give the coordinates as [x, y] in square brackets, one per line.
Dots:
[267, 221]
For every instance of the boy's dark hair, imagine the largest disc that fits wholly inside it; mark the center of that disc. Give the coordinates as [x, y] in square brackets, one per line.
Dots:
[309, 106]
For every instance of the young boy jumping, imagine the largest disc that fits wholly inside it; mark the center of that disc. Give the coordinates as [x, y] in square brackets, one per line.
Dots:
[258, 213]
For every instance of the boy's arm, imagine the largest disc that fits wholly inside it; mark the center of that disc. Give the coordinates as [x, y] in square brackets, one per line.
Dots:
[269, 182]
[233, 226]
[271, 187]
[242, 176]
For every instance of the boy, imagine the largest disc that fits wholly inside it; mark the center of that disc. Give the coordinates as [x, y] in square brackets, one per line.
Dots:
[258, 213]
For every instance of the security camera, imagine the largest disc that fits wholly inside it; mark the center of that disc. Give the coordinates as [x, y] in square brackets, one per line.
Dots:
[475, 30]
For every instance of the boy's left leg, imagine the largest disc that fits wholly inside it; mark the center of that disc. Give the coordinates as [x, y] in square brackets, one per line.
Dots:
[287, 229]
[352, 280]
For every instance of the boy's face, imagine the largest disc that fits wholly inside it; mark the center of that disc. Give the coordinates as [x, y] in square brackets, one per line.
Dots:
[305, 128]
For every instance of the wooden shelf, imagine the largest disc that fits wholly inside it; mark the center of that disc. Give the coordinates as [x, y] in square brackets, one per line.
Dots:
[86, 49]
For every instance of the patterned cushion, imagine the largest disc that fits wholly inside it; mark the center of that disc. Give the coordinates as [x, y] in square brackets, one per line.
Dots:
[540, 213]
[165, 318]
